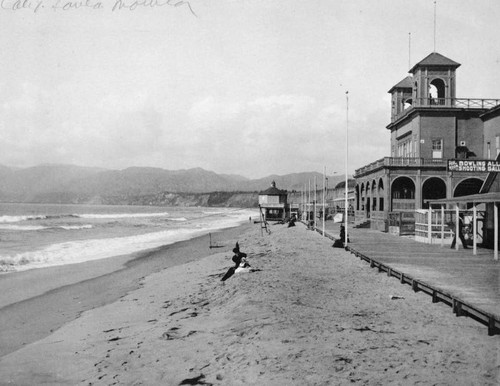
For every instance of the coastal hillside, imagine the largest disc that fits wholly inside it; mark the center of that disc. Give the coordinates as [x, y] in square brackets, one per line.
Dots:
[68, 184]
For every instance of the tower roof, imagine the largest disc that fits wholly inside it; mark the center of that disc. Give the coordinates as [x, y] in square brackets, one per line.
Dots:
[272, 191]
[435, 59]
[405, 83]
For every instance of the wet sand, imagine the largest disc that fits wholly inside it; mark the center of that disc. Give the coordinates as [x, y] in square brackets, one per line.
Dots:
[36, 302]
[312, 315]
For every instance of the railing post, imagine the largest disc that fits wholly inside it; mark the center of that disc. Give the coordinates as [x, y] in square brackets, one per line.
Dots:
[442, 225]
[429, 225]
[474, 230]
[495, 227]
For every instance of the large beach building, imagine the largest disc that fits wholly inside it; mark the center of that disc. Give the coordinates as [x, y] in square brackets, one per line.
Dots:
[437, 141]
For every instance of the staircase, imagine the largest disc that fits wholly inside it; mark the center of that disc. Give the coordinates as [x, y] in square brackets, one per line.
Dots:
[362, 224]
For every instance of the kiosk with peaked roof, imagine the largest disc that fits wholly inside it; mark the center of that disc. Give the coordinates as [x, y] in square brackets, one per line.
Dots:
[273, 203]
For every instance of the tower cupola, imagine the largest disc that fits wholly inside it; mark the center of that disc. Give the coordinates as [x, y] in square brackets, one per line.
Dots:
[434, 81]
[401, 97]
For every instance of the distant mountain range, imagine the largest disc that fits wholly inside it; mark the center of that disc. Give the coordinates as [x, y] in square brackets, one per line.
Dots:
[77, 184]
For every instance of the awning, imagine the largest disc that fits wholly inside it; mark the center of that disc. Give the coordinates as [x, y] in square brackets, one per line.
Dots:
[474, 198]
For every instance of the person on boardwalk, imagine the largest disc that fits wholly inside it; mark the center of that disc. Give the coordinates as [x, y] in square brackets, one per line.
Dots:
[340, 242]
[460, 233]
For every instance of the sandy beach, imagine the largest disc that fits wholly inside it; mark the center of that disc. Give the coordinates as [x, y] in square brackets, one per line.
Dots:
[311, 314]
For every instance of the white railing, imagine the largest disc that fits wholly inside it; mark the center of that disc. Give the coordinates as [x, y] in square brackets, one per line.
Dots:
[401, 162]
[464, 103]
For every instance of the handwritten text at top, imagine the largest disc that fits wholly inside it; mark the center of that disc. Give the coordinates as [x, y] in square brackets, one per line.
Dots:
[37, 6]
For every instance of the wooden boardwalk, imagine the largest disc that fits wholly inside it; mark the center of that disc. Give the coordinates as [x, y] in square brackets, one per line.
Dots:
[469, 283]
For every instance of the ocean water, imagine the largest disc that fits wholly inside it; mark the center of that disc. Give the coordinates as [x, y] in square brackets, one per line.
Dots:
[39, 235]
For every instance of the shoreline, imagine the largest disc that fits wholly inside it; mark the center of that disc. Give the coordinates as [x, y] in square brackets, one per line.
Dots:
[58, 295]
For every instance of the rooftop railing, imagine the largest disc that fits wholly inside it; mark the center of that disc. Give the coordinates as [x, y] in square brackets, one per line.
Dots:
[401, 162]
[463, 103]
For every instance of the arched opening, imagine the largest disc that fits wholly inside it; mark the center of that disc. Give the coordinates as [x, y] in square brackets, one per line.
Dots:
[381, 194]
[362, 197]
[407, 103]
[374, 195]
[433, 189]
[357, 197]
[468, 186]
[368, 201]
[437, 92]
[403, 194]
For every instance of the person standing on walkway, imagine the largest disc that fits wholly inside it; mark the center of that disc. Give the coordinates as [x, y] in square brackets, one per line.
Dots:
[460, 233]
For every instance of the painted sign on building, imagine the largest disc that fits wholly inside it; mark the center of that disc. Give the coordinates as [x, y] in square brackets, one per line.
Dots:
[473, 165]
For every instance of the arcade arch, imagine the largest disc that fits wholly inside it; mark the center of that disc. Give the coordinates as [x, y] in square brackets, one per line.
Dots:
[402, 194]
[433, 188]
[468, 186]
[381, 193]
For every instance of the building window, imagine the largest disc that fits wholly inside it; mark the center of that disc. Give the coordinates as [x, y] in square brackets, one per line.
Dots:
[497, 144]
[406, 149]
[437, 148]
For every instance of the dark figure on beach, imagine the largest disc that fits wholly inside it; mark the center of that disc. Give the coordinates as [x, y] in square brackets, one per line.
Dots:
[238, 258]
[460, 233]
[342, 233]
[339, 243]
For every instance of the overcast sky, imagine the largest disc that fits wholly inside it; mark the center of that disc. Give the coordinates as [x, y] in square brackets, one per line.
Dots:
[250, 87]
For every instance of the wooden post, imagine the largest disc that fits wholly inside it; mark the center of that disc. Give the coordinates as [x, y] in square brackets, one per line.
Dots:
[442, 225]
[495, 229]
[324, 183]
[308, 200]
[474, 230]
[457, 219]
[429, 225]
[261, 219]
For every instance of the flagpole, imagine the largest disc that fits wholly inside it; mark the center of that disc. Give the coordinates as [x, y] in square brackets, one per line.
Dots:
[308, 201]
[305, 199]
[346, 215]
[315, 200]
[324, 183]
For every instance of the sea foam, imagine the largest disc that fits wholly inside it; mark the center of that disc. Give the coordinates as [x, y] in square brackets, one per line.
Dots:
[78, 251]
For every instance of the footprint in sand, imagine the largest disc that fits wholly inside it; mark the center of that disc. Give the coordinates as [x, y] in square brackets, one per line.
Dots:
[175, 333]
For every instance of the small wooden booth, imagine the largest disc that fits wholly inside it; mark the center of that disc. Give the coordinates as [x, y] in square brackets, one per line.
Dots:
[273, 203]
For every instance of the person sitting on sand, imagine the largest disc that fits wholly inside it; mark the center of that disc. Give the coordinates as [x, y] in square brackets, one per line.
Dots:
[238, 255]
[241, 264]
[238, 258]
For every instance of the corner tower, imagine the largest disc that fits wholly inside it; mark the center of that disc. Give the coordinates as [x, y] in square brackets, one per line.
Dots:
[401, 97]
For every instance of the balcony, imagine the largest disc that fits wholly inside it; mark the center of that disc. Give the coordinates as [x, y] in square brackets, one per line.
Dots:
[400, 162]
[459, 103]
